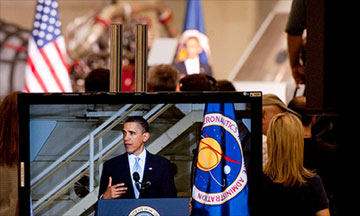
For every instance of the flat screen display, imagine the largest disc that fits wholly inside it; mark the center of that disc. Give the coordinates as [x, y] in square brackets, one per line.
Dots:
[65, 138]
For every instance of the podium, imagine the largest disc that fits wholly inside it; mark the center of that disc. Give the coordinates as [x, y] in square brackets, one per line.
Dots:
[143, 207]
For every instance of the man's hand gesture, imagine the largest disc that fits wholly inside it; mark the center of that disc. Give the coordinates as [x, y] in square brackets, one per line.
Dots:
[114, 191]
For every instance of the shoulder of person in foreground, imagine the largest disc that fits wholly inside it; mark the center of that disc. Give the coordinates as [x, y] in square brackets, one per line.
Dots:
[322, 206]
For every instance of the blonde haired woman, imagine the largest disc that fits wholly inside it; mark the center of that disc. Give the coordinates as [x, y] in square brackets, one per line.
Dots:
[289, 188]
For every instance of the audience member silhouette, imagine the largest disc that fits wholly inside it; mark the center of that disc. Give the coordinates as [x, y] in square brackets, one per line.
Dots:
[98, 80]
[289, 187]
[162, 77]
[318, 155]
[197, 82]
[224, 85]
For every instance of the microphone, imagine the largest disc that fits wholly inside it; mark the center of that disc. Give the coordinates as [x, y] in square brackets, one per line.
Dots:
[136, 178]
[141, 186]
[146, 182]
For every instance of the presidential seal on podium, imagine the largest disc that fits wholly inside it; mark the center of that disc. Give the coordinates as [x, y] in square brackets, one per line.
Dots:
[144, 211]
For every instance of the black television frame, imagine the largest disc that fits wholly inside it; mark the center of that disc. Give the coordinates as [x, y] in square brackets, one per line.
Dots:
[254, 98]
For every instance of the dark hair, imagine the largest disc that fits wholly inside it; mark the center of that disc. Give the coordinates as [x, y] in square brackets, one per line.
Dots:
[98, 80]
[141, 121]
[197, 82]
[162, 77]
[224, 85]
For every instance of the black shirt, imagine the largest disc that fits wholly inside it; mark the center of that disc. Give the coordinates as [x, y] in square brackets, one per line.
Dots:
[295, 201]
[321, 157]
[296, 23]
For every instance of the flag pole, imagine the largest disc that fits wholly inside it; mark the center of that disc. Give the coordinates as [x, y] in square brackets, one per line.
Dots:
[116, 58]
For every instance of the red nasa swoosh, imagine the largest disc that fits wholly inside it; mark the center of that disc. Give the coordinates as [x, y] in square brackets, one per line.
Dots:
[225, 157]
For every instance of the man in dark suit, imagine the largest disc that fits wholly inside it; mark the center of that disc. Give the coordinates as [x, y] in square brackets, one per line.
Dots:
[154, 172]
[192, 64]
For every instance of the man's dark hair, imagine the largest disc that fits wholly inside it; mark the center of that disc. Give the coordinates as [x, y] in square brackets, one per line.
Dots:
[141, 121]
[224, 85]
[197, 82]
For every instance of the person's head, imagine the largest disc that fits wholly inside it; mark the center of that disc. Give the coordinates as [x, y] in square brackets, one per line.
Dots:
[285, 143]
[162, 77]
[197, 82]
[271, 106]
[98, 80]
[135, 134]
[9, 130]
[298, 104]
[224, 85]
[193, 48]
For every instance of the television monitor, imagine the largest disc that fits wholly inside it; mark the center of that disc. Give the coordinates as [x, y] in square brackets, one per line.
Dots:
[65, 138]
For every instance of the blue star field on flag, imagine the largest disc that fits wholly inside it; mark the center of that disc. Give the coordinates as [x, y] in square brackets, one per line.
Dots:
[47, 26]
[47, 69]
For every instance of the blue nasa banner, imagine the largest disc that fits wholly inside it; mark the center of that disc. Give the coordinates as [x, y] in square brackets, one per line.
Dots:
[220, 186]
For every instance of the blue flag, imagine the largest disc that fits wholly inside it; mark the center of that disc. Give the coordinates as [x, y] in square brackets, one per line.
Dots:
[220, 186]
[194, 18]
[194, 27]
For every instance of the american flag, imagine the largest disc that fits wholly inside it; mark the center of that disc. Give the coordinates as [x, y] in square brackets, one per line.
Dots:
[47, 70]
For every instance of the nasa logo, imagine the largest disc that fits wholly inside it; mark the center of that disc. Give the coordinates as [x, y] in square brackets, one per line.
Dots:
[144, 211]
[215, 161]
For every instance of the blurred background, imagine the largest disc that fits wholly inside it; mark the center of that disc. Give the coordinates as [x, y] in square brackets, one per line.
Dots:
[247, 38]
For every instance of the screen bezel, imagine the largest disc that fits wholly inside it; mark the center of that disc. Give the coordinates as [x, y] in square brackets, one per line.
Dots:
[253, 98]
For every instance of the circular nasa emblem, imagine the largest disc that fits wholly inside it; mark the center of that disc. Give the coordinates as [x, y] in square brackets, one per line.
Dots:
[221, 173]
[144, 211]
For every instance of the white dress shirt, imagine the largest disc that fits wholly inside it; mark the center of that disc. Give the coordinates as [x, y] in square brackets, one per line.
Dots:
[131, 159]
[192, 66]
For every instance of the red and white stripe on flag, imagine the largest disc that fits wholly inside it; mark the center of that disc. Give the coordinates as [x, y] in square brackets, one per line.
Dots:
[46, 70]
